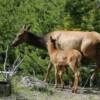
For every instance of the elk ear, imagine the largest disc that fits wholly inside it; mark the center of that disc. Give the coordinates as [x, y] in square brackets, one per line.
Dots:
[24, 26]
[28, 27]
[51, 39]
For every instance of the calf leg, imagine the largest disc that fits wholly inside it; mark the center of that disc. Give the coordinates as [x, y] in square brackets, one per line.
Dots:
[76, 77]
[56, 76]
[75, 85]
[61, 79]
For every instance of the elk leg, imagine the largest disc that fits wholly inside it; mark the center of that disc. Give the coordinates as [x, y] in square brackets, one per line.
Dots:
[93, 76]
[48, 71]
[95, 71]
[58, 79]
[76, 77]
[56, 76]
[75, 85]
[61, 80]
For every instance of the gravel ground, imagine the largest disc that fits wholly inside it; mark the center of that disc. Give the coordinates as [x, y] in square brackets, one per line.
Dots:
[57, 94]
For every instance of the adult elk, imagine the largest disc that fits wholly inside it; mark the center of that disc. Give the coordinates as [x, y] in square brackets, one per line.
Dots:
[61, 59]
[88, 43]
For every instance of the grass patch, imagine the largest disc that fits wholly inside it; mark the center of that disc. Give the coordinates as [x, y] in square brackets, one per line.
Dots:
[46, 90]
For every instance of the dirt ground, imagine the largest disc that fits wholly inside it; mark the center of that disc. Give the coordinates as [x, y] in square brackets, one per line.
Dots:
[56, 94]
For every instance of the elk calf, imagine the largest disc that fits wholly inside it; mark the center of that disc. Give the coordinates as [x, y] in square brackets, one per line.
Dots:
[60, 59]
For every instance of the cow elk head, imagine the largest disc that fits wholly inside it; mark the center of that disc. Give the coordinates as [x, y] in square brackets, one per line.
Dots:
[22, 36]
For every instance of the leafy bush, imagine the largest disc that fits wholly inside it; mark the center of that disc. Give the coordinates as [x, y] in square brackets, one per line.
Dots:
[44, 16]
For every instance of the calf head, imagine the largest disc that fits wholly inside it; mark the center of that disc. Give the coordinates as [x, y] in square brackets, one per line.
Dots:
[22, 36]
[55, 41]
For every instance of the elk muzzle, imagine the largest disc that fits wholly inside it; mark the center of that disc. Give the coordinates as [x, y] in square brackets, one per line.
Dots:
[15, 42]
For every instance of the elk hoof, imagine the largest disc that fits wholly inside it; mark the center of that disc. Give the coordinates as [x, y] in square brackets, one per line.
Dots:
[55, 86]
[74, 90]
[45, 80]
[62, 87]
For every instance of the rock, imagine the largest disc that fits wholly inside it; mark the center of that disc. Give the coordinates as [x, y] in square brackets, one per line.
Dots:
[28, 81]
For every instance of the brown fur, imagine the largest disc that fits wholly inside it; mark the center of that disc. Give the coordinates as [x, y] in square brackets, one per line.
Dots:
[88, 43]
[60, 59]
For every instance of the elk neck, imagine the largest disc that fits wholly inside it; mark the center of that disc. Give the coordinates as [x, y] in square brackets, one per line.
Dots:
[37, 41]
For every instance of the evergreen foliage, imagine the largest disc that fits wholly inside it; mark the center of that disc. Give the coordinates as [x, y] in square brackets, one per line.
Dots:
[44, 16]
